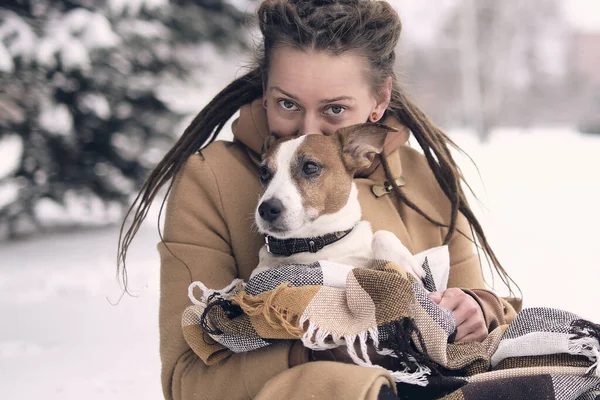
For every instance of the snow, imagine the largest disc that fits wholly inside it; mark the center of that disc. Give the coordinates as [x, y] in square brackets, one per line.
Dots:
[72, 36]
[61, 336]
[190, 96]
[11, 149]
[78, 210]
[146, 29]
[74, 55]
[97, 103]
[247, 6]
[98, 33]
[61, 332]
[23, 39]
[9, 192]
[6, 62]
[46, 50]
[57, 119]
[133, 7]
[540, 213]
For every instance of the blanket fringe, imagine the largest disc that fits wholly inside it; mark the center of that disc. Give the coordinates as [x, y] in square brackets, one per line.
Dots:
[276, 317]
[318, 339]
[417, 377]
[387, 352]
[586, 342]
[595, 365]
[362, 341]
[589, 347]
[206, 292]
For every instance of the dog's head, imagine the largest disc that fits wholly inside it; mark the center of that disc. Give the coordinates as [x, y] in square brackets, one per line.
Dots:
[308, 181]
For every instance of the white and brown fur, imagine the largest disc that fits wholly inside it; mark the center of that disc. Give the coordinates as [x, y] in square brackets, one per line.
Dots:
[326, 202]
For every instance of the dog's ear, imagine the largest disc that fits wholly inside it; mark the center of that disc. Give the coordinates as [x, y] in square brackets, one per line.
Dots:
[362, 142]
[267, 143]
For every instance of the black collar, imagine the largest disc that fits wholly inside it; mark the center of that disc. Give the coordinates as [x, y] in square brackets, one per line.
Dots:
[287, 247]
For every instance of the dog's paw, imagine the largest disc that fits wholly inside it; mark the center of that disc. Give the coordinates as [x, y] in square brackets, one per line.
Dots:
[386, 246]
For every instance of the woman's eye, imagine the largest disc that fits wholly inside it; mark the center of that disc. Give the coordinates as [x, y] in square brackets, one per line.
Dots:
[335, 110]
[311, 168]
[287, 105]
[265, 174]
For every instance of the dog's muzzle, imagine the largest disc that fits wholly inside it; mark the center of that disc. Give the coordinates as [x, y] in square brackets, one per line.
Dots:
[271, 209]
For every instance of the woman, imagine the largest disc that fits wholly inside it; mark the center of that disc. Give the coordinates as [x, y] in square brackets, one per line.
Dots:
[323, 65]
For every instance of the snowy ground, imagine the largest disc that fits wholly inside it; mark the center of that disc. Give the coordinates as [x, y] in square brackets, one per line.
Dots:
[540, 212]
[62, 339]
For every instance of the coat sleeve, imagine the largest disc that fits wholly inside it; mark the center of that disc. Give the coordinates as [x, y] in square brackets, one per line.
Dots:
[465, 273]
[196, 236]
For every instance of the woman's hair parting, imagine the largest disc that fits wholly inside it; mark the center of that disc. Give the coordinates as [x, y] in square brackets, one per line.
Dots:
[368, 28]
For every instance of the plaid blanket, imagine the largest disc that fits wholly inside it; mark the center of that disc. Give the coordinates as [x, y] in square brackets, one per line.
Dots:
[543, 354]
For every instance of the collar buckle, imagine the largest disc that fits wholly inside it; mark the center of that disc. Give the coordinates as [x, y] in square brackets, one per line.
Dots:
[314, 245]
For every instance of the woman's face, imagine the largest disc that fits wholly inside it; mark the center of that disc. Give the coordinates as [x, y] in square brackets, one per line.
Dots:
[317, 93]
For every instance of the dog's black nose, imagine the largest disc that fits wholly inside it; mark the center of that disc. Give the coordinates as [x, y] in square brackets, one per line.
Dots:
[270, 210]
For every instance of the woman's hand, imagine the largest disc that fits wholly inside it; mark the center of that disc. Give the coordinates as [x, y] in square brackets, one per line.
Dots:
[467, 313]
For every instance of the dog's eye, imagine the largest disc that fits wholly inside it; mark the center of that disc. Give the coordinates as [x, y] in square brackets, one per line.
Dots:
[265, 174]
[311, 168]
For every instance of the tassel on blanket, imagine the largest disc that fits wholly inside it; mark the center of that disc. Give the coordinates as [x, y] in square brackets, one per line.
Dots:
[414, 363]
[276, 317]
[318, 339]
[227, 306]
[586, 342]
[414, 375]
[211, 298]
[206, 292]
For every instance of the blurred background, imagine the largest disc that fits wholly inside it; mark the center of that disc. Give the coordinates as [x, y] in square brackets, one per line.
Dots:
[94, 92]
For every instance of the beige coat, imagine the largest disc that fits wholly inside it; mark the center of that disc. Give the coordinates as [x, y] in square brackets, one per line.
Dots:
[209, 228]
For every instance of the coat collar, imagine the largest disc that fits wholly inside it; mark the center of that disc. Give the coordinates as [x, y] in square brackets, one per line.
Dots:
[251, 129]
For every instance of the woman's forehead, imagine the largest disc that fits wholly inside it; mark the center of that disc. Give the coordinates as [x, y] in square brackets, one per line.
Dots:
[311, 75]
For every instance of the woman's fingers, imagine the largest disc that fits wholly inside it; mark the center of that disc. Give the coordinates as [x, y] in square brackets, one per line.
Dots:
[469, 318]
[476, 336]
[473, 329]
[436, 297]
[473, 326]
[452, 299]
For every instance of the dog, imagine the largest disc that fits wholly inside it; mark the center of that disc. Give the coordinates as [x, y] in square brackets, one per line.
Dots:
[309, 210]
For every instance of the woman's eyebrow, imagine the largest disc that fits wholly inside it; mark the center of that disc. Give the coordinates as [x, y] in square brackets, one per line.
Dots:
[325, 101]
[284, 92]
[340, 98]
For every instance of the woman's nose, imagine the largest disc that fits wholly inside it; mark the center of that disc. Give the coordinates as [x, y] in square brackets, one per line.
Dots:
[312, 125]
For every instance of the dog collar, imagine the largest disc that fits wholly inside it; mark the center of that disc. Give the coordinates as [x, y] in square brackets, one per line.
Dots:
[287, 247]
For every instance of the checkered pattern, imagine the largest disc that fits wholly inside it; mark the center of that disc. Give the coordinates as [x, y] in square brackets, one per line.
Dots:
[518, 361]
[573, 387]
[428, 281]
[295, 274]
[540, 319]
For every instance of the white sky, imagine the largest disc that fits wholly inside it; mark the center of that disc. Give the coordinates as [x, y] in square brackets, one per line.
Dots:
[584, 14]
[420, 19]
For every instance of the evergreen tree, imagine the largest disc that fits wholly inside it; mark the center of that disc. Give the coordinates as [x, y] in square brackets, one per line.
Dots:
[80, 85]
